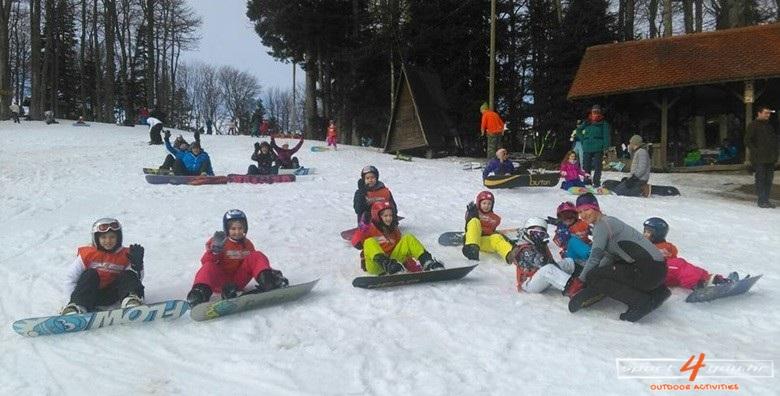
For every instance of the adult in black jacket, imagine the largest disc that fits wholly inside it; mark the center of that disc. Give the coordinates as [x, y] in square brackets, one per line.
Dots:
[762, 142]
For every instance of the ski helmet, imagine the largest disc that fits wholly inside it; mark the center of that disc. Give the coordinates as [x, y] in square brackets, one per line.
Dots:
[369, 169]
[104, 225]
[485, 195]
[234, 214]
[658, 229]
[535, 231]
[566, 207]
[376, 211]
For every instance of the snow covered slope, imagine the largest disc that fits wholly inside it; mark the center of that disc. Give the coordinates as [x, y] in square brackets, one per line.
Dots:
[476, 336]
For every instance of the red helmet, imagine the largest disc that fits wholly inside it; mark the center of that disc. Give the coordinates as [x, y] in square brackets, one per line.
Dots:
[377, 208]
[484, 195]
[566, 207]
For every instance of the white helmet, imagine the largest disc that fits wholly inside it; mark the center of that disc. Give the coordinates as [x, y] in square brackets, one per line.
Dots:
[532, 232]
[535, 222]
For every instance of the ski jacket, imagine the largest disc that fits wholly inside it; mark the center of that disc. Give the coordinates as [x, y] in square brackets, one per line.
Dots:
[231, 257]
[365, 197]
[331, 132]
[571, 171]
[611, 239]
[264, 161]
[667, 249]
[284, 156]
[492, 124]
[151, 121]
[595, 137]
[640, 164]
[579, 229]
[489, 222]
[498, 168]
[762, 141]
[107, 264]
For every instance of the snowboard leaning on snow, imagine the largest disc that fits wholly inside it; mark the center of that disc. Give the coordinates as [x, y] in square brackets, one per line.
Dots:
[713, 292]
[245, 302]
[455, 238]
[61, 324]
[408, 278]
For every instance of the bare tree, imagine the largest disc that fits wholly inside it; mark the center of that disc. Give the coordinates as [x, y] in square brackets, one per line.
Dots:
[36, 102]
[5, 75]
[240, 90]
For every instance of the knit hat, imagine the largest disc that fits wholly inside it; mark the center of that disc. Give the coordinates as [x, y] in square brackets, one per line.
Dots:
[636, 140]
[483, 107]
[587, 201]
[596, 108]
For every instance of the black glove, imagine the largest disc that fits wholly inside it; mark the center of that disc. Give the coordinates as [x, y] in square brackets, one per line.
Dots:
[471, 211]
[218, 242]
[135, 255]
[257, 146]
[229, 290]
[167, 134]
[271, 279]
[554, 221]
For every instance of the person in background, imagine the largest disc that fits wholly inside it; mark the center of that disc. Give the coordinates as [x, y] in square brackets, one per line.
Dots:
[761, 140]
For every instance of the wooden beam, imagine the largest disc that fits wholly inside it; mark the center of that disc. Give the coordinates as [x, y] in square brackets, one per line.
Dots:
[664, 129]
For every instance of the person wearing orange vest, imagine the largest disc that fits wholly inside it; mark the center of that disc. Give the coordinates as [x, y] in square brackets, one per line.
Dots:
[385, 250]
[231, 262]
[481, 224]
[105, 272]
[493, 126]
[332, 134]
[370, 190]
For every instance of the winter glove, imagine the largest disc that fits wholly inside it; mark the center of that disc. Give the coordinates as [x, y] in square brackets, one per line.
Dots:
[167, 134]
[135, 255]
[218, 242]
[471, 211]
[257, 146]
[573, 286]
[562, 236]
[229, 290]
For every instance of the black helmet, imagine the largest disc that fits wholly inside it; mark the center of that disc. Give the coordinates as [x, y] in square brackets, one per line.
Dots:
[658, 229]
[104, 225]
[234, 214]
[369, 169]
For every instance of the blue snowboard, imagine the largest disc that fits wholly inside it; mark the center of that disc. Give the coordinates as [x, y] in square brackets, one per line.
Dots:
[245, 302]
[62, 324]
[710, 293]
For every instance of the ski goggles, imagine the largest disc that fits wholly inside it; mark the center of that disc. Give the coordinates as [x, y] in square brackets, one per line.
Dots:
[105, 227]
[538, 234]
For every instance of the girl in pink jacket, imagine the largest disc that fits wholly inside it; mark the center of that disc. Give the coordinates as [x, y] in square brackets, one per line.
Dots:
[571, 172]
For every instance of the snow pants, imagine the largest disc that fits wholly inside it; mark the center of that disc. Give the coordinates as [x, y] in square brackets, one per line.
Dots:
[88, 293]
[407, 247]
[567, 184]
[265, 170]
[684, 274]
[591, 161]
[154, 134]
[179, 169]
[489, 243]
[170, 160]
[331, 140]
[633, 284]
[214, 276]
[548, 275]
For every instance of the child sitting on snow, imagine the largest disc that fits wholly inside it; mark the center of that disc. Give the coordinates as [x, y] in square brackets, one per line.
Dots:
[571, 234]
[536, 269]
[385, 250]
[105, 272]
[481, 224]
[266, 160]
[571, 172]
[680, 272]
[230, 262]
[369, 191]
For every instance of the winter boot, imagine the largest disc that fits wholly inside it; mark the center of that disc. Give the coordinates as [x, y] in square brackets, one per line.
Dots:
[229, 290]
[200, 293]
[429, 263]
[389, 265]
[585, 298]
[132, 300]
[637, 311]
[270, 279]
[471, 251]
[73, 309]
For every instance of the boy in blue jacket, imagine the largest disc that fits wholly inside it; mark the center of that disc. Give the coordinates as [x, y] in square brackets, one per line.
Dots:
[190, 162]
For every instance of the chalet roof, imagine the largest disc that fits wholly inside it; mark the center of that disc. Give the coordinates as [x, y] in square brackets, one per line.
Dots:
[692, 59]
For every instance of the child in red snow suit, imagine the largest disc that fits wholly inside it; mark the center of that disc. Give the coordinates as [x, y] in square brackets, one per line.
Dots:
[385, 250]
[230, 262]
[332, 134]
[679, 272]
[105, 272]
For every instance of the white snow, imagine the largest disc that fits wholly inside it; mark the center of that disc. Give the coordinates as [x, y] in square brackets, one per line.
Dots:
[469, 337]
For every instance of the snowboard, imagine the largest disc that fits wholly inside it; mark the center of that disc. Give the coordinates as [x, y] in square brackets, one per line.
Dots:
[260, 179]
[248, 301]
[664, 191]
[319, 148]
[523, 180]
[403, 157]
[408, 278]
[348, 234]
[589, 189]
[61, 324]
[471, 165]
[190, 180]
[455, 238]
[297, 171]
[713, 292]
[157, 171]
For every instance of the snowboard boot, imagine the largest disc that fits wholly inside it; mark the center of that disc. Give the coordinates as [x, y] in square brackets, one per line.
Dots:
[734, 276]
[200, 293]
[585, 298]
[389, 265]
[132, 300]
[429, 263]
[659, 295]
[471, 251]
[229, 290]
[270, 279]
[638, 311]
[73, 309]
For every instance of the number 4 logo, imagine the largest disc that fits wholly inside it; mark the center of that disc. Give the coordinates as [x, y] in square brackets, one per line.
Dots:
[694, 369]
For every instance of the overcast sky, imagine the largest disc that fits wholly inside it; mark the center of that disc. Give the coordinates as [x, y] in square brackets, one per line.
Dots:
[228, 38]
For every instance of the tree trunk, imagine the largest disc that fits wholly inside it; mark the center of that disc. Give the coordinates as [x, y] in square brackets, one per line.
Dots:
[82, 59]
[688, 15]
[97, 101]
[700, 10]
[628, 27]
[5, 75]
[652, 14]
[123, 33]
[49, 61]
[109, 11]
[310, 104]
[667, 18]
[36, 102]
[150, 59]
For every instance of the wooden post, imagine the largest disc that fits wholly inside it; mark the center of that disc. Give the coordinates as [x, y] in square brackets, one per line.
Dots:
[748, 100]
[492, 90]
[664, 130]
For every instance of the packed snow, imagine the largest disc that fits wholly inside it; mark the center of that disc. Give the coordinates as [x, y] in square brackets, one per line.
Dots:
[468, 337]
